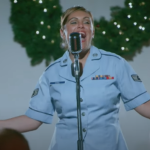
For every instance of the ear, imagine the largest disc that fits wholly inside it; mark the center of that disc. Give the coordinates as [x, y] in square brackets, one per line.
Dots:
[62, 34]
[93, 34]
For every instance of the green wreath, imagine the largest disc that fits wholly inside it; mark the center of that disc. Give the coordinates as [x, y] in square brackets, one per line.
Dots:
[36, 27]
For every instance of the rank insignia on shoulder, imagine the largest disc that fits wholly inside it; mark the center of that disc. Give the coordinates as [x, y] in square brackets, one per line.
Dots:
[135, 77]
[102, 77]
[35, 92]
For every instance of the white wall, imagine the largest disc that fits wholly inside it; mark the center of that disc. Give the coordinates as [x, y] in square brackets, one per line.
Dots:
[18, 78]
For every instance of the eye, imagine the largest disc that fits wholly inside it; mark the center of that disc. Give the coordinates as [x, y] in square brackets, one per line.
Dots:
[86, 22]
[73, 22]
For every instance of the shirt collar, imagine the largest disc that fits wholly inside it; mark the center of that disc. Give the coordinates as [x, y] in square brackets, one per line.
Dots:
[95, 54]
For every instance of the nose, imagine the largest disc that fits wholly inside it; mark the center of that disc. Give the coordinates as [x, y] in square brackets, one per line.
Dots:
[80, 25]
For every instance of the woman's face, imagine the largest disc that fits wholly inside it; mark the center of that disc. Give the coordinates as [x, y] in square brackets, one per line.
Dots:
[79, 21]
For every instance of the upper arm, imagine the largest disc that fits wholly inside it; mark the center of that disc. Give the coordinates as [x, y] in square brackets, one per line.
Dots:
[32, 123]
[20, 123]
[133, 92]
[41, 106]
[144, 109]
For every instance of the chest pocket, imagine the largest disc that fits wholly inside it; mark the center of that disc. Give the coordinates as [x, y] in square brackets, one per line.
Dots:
[56, 88]
[103, 92]
[63, 96]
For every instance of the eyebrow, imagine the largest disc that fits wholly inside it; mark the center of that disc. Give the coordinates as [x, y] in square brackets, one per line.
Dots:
[77, 18]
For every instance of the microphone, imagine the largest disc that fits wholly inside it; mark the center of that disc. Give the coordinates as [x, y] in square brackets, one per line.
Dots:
[75, 48]
[75, 43]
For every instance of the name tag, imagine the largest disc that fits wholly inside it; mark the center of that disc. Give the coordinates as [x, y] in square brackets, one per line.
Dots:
[57, 82]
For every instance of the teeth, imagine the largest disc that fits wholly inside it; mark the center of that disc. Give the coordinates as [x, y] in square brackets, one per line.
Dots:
[82, 34]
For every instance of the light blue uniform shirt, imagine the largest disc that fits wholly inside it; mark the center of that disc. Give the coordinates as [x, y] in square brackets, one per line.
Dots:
[106, 77]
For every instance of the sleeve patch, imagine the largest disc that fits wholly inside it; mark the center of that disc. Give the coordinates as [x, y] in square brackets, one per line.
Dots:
[135, 77]
[35, 92]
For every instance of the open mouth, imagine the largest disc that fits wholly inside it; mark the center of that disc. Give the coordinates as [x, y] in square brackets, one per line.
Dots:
[83, 35]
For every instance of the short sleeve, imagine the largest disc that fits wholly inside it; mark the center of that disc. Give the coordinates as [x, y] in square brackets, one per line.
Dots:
[41, 107]
[133, 92]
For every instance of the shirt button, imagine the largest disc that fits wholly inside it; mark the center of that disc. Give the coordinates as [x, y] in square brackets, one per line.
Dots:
[84, 130]
[81, 100]
[83, 114]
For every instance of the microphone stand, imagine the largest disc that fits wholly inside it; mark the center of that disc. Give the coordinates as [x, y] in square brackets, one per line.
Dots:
[76, 73]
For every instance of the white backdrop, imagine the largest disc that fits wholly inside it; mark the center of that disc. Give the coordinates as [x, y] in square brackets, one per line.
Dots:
[18, 78]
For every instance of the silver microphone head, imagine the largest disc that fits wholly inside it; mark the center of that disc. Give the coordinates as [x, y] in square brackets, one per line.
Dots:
[75, 43]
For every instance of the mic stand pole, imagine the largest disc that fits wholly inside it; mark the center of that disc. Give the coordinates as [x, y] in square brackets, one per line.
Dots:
[76, 72]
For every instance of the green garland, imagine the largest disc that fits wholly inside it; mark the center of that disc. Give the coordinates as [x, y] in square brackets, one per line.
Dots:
[127, 31]
[36, 27]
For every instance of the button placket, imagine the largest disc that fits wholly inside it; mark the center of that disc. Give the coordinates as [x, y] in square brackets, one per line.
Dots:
[83, 112]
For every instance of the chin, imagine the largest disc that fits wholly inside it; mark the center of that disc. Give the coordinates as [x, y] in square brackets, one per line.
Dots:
[84, 48]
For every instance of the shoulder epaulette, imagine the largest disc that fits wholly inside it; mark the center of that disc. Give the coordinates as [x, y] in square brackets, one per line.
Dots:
[52, 64]
[110, 54]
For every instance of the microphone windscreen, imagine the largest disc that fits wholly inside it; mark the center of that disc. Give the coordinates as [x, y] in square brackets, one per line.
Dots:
[75, 42]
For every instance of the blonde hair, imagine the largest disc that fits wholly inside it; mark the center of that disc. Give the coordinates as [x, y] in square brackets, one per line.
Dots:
[69, 11]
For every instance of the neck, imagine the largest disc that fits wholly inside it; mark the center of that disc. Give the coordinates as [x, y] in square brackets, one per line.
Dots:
[82, 57]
